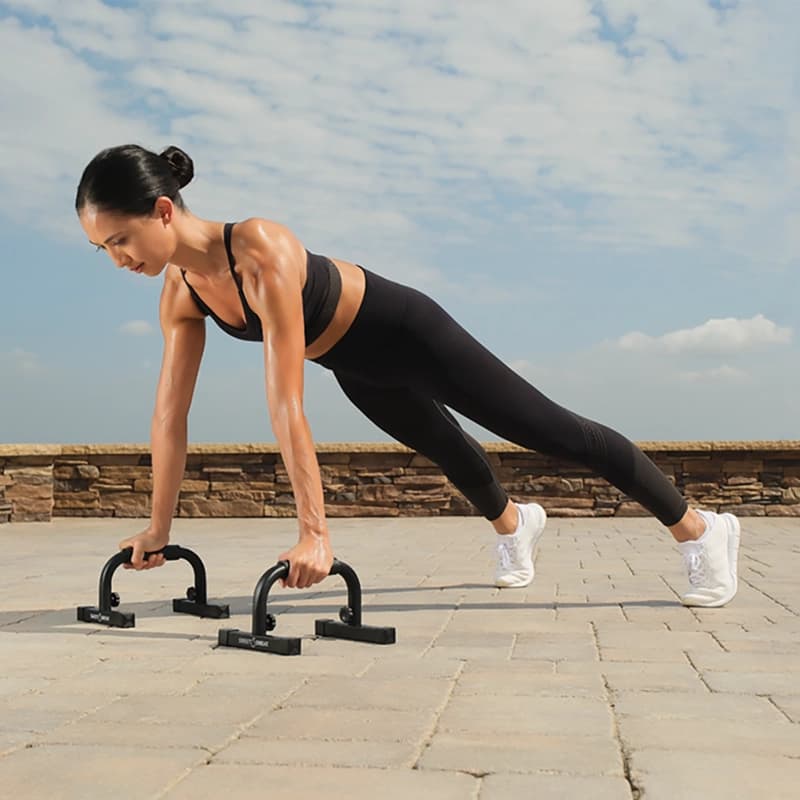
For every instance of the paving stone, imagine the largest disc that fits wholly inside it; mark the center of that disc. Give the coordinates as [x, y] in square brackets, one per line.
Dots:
[137, 667]
[265, 690]
[13, 740]
[474, 652]
[690, 775]
[774, 644]
[758, 683]
[496, 623]
[481, 680]
[341, 692]
[40, 657]
[43, 701]
[622, 675]
[231, 661]
[109, 680]
[574, 755]
[318, 753]
[380, 725]
[556, 646]
[744, 662]
[553, 787]
[724, 736]
[518, 680]
[789, 706]
[87, 731]
[501, 642]
[694, 705]
[33, 720]
[182, 709]
[587, 613]
[287, 783]
[642, 656]
[526, 715]
[406, 668]
[75, 772]
[17, 685]
[620, 638]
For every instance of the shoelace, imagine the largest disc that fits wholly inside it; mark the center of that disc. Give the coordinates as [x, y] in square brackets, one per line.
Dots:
[696, 567]
[506, 551]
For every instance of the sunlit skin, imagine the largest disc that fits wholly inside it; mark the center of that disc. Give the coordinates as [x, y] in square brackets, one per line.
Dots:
[271, 263]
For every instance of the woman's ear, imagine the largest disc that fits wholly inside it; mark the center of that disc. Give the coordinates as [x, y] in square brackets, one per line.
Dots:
[164, 209]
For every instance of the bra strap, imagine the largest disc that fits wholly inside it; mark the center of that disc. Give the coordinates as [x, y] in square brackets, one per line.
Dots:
[228, 249]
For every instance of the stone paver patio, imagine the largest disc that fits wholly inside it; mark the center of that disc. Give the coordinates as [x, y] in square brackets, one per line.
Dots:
[592, 683]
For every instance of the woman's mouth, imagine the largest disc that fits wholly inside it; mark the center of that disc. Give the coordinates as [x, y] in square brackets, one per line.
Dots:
[138, 268]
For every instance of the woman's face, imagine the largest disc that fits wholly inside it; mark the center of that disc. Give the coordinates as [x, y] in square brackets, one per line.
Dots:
[140, 244]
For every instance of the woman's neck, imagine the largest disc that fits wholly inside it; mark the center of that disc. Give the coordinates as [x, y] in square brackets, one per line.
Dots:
[200, 246]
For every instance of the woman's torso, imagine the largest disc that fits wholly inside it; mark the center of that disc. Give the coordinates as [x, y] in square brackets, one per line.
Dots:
[224, 298]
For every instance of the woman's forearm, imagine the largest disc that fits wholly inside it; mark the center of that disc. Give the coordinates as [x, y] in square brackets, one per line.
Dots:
[300, 458]
[168, 443]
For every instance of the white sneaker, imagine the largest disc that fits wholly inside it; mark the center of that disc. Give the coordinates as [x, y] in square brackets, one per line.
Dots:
[515, 551]
[712, 563]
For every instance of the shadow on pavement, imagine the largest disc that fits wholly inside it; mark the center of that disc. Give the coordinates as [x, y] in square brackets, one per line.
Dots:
[63, 620]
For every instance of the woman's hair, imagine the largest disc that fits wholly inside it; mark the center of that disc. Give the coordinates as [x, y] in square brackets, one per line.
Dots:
[128, 179]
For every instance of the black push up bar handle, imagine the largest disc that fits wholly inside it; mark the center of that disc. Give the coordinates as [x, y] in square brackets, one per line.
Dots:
[196, 601]
[264, 621]
[350, 626]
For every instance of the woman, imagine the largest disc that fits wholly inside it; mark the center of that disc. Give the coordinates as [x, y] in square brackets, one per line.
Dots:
[396, 354]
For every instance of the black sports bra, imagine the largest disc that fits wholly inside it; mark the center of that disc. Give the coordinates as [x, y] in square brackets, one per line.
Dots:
[321, 294]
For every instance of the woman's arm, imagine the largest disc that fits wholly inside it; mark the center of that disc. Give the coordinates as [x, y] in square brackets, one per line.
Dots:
[184, 338]
[272, 261]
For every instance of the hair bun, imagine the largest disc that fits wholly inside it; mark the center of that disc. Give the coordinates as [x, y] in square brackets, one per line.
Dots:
[180, 164]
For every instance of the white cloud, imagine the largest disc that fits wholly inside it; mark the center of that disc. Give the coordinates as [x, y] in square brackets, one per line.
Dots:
[136, 327]
[722, 373]
[644, 396]
[21, 363]
[412, 137]
[715, 336]
[366, 123]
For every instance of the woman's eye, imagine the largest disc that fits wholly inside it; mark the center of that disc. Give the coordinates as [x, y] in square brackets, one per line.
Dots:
[118, 243]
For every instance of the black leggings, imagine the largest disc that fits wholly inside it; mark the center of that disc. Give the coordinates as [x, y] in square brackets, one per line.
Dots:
[405, 358]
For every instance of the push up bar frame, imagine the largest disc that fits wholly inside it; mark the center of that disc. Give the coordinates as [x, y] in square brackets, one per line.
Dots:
[195, 602]
[349, 625]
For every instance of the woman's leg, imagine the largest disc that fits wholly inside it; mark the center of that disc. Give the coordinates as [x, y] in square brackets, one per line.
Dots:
[459, 371]
[425, 425]
[463, 374]
[402, 338]
[428, 427]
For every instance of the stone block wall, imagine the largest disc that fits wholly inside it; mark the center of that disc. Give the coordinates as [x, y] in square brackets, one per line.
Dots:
[26, 482]
[38, 482]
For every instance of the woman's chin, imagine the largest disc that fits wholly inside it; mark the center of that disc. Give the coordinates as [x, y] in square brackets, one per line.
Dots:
[152, 271]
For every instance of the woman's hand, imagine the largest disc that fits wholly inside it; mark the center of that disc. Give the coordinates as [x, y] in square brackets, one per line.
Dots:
[145, 542]
[310, 561]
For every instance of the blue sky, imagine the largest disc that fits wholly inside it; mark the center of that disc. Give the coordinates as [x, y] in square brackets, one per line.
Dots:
[604, 193]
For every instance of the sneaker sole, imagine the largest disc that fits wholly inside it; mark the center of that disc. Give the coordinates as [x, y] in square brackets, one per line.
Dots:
[734, 539]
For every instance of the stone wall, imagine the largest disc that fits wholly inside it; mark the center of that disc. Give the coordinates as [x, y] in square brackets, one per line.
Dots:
[38, 482]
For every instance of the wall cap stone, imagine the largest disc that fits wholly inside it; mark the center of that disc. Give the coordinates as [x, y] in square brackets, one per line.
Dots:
[7, 450]
[12, 450]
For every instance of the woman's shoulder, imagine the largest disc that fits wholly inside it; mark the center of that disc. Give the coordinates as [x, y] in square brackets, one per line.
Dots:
[263, 243]
[173, 277]
[258, 232]
[176, 299]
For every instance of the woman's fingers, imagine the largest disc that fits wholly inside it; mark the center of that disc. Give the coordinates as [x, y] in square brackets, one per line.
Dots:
[138, 561]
